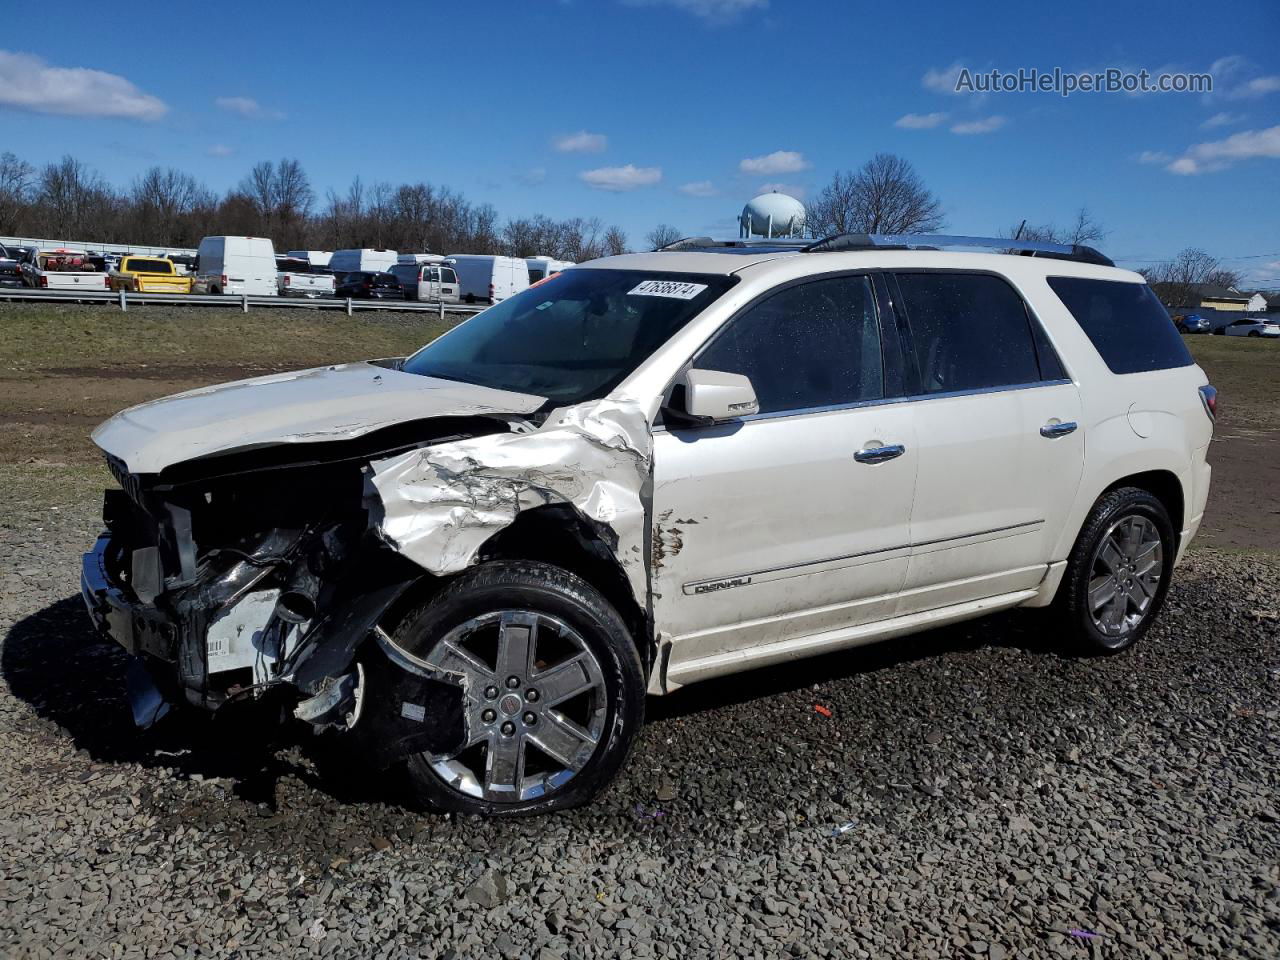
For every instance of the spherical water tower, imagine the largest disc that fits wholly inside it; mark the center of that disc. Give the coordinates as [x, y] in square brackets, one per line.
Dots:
[772, 215]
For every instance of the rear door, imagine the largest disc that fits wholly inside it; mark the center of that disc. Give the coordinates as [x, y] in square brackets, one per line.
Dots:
[773, 534]
[1001, 451]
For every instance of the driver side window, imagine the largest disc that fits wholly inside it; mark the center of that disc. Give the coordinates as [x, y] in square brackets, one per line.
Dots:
[816, 344]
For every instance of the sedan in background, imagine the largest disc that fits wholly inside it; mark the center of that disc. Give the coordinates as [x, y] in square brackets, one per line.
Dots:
[1192, 323]
[1250, 327]
[367, 285]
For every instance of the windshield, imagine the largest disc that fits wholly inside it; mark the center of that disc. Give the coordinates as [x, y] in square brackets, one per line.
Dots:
[573, 337]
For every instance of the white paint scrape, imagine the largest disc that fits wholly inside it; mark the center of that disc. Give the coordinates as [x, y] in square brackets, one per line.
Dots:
[442, 503]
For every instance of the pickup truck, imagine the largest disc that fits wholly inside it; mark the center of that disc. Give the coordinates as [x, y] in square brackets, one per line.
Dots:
[149, 275]
[61, 269]
[294, 278]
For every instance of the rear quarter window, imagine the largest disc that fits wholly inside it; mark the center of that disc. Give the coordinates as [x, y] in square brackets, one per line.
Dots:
[1126, 323]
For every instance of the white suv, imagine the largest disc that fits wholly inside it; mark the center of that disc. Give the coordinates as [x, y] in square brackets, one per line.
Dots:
[648, 470]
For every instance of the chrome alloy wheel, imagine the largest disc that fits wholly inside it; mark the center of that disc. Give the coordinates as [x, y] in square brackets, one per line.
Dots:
[535, 701]
[1125, 575]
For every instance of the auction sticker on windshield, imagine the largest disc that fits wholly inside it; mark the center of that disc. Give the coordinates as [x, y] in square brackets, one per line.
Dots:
[674, 289]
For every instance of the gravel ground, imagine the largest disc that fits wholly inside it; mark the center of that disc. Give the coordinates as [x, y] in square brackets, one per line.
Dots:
[1004, 800]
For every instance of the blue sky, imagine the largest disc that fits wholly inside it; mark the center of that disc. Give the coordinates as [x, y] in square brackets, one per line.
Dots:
[647, 111]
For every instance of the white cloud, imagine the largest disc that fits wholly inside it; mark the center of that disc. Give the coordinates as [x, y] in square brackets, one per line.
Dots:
[780, 161]
[1155, 157]
[1222, 120]
[713, 11]
[1257, 87]
[29, 83]
[1220, 154]
[532, 177]
[1226, 66]
[944, 80]
[920, 121]
[796, 190]
[581, 142]
[247, 107]
[985, 125]
[699, 188]
[620, 179]
[220, 150]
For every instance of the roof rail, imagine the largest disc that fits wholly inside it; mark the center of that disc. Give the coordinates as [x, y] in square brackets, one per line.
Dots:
[707, 243]
[930, 241]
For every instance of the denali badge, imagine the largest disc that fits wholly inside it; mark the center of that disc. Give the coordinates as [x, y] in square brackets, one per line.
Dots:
[711, 586]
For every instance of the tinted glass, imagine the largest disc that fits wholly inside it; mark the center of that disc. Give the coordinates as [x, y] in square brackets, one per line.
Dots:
[812, 345]
[573, 338]
[1126, 323]
[968, 331]
[149, 266]
[448, 276]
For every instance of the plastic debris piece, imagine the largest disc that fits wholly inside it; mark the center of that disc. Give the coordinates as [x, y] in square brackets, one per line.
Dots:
[843, 828]
[825, 711]
[1083, 934]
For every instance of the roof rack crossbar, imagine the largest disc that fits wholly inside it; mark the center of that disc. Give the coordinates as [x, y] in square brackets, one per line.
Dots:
[707, 243]
[930, 241]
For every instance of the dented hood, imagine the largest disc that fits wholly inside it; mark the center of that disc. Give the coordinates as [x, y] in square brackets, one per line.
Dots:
[307, 406]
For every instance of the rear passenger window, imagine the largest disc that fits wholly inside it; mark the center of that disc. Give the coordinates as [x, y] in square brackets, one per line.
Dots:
[968, 331]
[1128, 326]
[812, 345]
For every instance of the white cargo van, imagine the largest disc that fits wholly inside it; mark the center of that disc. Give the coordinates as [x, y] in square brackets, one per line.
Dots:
[542, 267]
[236, 265]
[419, 258]
[317, 258]
[366, 260]
[488, 279]
[427, 281]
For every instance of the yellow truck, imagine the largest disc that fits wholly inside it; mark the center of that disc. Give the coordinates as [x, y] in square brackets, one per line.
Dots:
[149, 275]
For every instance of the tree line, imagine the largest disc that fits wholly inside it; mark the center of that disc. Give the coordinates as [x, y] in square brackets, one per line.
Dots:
[167, 207]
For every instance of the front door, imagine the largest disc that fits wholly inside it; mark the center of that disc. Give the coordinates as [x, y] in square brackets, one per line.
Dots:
[773, 533]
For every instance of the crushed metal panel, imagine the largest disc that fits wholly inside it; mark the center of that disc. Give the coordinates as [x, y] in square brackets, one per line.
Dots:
[440, 504]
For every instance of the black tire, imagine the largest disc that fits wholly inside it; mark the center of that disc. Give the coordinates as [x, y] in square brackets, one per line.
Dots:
[1072, 605]
[1254, 333]
[543, 589]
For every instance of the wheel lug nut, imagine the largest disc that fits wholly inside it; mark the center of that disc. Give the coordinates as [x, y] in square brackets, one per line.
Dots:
[531, 695]
[530, 718]
[513, 682]
[491, 693]
[508, 728]
[488, 716]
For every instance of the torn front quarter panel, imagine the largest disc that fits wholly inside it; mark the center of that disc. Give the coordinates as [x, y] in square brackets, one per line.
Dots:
[442, 503]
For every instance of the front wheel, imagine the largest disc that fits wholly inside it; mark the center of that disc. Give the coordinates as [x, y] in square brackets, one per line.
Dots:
[554, 690]
[1254, 333]
[1118, 572]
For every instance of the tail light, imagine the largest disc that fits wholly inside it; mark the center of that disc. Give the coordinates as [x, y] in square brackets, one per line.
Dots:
[106, 282]
[287, 280]
[44, 281]
[224, 279]
[1209, 397]
[491, 291]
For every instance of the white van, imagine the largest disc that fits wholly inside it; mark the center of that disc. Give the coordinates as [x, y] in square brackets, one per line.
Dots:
[489, 279]
[419, 258]
[427, 281]
[236, 265]
[317, 258]
[542, 267]
[366, 260]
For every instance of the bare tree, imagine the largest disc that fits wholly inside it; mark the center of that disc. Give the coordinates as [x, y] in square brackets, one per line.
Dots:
[885, 195]
[161, 205]
[1083, 230]
[73, 200]
[661, 235]
[615, 241]
[1177, 281]
[16, 180]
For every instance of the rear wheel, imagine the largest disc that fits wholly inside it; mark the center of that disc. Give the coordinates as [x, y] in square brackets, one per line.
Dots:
[1254, 333]
[554, 684]
[1118, 572]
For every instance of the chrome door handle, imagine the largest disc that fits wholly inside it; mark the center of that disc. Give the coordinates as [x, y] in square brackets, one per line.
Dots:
[1052, 430]
[880, 454]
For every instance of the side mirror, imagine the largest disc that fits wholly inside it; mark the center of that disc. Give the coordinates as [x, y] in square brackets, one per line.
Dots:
[712, 396]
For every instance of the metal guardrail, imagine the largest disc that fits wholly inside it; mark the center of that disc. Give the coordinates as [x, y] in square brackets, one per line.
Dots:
[123, 300]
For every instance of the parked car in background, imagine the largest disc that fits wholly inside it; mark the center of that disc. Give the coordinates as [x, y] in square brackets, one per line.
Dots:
[61, 269]
[542, 267]
[296, 278]
[149, 275]
[10, 272]
[485, 278]
[1250, 327]
[370, 285]
[1192, 323]
[364, 260]
[427, 281]
[185, 263]
[236, 265]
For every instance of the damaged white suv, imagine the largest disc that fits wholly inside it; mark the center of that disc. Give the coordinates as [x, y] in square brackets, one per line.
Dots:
[646, 471]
